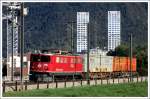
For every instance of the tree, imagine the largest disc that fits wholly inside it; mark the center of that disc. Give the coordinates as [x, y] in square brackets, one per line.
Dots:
[139, 51]
[122, 50]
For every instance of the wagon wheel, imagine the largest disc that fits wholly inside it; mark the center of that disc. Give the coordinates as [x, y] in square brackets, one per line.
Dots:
[66, 78]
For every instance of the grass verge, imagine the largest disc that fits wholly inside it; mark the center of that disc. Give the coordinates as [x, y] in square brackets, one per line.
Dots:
[121, 90]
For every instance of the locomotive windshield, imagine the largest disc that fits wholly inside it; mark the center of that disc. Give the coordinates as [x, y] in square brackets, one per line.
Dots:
[35, 58]
[45, 58]
[40, 58]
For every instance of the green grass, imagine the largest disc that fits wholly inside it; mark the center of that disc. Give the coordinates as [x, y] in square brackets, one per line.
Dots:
[127, 90]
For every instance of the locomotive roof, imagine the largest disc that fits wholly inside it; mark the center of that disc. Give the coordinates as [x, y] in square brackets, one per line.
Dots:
[54, 54]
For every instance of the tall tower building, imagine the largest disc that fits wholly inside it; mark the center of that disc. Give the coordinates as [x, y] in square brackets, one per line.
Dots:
[113, 29]
[82, 29]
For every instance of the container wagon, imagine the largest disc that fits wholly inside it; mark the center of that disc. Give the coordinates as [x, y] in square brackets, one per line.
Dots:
[108, 66]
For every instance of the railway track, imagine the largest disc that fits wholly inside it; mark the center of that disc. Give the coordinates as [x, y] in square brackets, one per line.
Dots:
[71, 80]
[10, 83]
[40, 82]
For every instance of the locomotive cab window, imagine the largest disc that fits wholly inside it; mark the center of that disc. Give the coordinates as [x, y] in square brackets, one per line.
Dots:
[38, 58]
[35, 58]
[45, 58]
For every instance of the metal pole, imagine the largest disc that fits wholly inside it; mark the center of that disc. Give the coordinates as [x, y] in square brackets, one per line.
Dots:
[100, 60]
[100, 65]
[131, 57]
[88, 49]
[12, 49]
[72, 38]
[73, 51]
[22, 42]
[7, 44]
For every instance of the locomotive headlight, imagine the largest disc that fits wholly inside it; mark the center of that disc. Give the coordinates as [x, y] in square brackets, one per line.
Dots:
[39, 65]
[45, 67]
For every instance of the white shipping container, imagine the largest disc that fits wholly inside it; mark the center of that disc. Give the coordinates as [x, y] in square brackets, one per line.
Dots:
[98, 63]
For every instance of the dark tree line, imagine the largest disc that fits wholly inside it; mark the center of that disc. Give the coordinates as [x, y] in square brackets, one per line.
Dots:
[140, 52]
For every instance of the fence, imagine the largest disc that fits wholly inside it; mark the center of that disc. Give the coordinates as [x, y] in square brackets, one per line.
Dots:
[16, 86]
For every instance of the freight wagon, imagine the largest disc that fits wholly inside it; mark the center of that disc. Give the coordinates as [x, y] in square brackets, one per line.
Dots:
[108, 66]
[123, 64]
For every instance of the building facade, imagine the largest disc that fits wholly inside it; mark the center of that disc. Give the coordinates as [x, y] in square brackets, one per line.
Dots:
[113, 29]
[82, 29]
[17, 68]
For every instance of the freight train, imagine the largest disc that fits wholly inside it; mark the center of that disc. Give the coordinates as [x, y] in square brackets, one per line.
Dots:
[45, 67]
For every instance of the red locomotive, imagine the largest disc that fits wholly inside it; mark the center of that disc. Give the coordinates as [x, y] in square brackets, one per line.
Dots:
[46, 66]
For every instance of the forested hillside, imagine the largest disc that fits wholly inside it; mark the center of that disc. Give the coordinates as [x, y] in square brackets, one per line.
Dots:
[46, 25]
